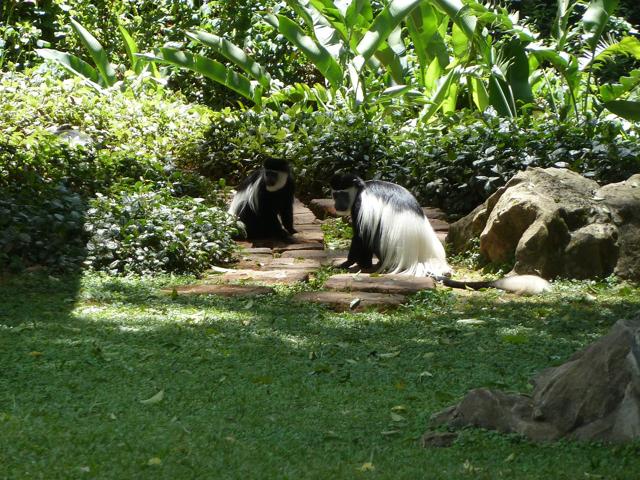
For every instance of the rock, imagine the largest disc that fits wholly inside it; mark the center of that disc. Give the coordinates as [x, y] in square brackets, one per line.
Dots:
[595, 396]
[624, 201]
[305, 254]
[355, 301]
[554, 222]
[323, 208]
[363, 282]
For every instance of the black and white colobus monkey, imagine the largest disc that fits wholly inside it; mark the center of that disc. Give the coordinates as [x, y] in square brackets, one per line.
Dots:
[264, 201]
[389, 222]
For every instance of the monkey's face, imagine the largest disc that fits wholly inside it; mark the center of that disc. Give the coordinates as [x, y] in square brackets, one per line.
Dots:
[344, 199]
[274, 180]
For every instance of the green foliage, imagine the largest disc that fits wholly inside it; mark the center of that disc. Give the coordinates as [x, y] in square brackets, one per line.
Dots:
[59, 131]
[41, 226]
[144, 231]
[62, 142]
[455, 163]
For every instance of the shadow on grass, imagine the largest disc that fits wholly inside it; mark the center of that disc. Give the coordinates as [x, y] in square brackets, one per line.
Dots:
[115, 380]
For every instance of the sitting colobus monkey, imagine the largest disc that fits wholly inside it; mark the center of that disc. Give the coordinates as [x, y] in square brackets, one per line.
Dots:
[389, 222]
[264, 201]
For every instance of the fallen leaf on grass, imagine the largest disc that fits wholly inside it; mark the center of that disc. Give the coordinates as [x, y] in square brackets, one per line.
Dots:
[396, 418]
[367, 467]
[36, 354]
[155, 399]
[154, 461]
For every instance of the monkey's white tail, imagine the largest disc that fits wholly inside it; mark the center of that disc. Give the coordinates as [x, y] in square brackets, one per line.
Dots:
[408, 244]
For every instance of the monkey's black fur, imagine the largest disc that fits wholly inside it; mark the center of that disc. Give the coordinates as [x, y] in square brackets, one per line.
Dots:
[271, 212]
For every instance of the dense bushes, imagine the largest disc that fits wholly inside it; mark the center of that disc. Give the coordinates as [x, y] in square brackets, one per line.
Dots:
[61, 143]
[454, 163]
[149, 231]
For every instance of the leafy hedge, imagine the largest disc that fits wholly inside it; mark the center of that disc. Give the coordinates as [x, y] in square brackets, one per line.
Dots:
[146, 231]
[455, 163]
[61, 143]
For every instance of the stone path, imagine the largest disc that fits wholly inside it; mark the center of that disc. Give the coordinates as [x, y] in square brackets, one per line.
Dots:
[271, 262]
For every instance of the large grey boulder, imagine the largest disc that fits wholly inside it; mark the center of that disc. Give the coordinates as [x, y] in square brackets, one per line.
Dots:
[594, 396]
[554, 222]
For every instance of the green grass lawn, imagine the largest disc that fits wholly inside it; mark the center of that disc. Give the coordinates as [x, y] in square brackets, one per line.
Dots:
[103, 377]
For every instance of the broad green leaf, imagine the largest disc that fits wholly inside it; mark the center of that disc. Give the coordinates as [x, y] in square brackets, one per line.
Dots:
[612, 91]
[560, 24]
[500, 96]
[433, 74]
[359, 13]
[518, 72]
[209, 68]
[460, 14]
[331, 12]
[624, 108]
[440, 95]
[233, 54]
[391, 55]
[384, 23]
[460, 42]
[595, 19]
[317, 54]
[479, 93]
[627, 46]
[392, 62]
[72, 64]
[97, 53]
[422, 24]
[331, 35]
[131, 48]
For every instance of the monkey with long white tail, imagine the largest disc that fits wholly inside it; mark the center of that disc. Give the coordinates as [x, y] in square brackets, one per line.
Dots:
[264, 201]
[389, 223]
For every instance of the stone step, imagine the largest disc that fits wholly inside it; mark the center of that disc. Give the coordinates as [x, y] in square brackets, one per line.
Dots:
[279, 276]
[364, 282]
[356, 301]
[221, 289]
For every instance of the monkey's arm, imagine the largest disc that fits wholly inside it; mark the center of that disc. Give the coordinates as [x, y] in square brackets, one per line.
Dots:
[358, 253]
[286, 214]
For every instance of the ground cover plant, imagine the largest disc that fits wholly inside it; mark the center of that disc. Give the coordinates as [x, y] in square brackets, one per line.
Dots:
[108, 377]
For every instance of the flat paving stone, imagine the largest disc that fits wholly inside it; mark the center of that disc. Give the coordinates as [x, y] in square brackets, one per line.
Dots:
[309, 235]
[432, 212]
[292, 247]
[222, 290]
[290, 262]
[355, 301]
[282, 275]
[252, 262]
[303, 219]
[256, 250]
[306, 254]
[364, 282]
[439, 225]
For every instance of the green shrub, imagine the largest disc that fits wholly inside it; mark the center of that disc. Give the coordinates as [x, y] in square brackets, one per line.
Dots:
[457, 163]
[145, 232]
[64, 130]
[41, 227]
[454, 163]
[61, 143]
